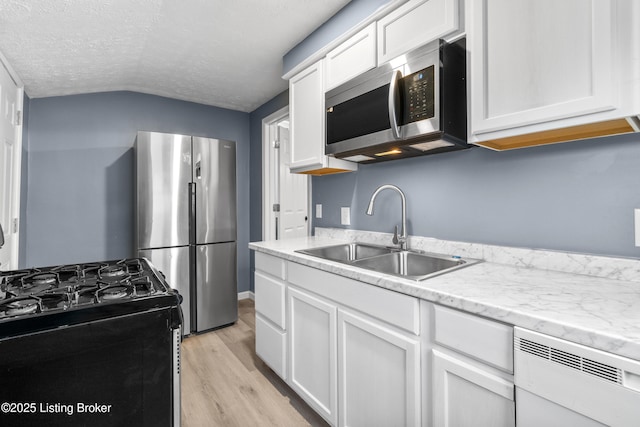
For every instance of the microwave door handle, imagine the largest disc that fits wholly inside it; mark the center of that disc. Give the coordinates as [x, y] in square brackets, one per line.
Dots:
[393, 95]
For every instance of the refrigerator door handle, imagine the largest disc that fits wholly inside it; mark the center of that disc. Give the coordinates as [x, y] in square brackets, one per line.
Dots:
[192, 213]
[193, 291]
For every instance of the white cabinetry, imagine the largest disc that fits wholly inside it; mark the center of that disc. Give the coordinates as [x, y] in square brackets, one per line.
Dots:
[376, 357]
[362, 355]
[414, 24]
[537, 67]
[472, 370]
[468, 394]
[307, 115]
[313, 351]
[379, 371]
[351, 58]
[271, 338]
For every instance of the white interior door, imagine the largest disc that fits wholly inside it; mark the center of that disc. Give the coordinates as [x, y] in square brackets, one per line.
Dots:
[293, 192]
[285, 195]
[10, 150]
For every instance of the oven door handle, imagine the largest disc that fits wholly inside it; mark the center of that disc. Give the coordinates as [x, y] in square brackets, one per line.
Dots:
[394, 100]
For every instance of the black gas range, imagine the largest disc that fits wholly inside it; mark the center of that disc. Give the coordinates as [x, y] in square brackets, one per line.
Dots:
[93, 343]
[46, 297]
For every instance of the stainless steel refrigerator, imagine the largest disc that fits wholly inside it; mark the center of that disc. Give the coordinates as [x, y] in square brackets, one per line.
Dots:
[186, 221]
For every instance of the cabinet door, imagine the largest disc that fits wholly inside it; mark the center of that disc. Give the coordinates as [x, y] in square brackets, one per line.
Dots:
[469, 395]
[414, 24]
[379, 374]
[306, 101]
[537, 61]
[351, 58]
[312, 347]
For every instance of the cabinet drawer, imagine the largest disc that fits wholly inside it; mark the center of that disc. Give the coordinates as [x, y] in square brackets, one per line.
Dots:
[270, 264]
[271, 346]
[269, 294]
[392, 307]
[485, 340]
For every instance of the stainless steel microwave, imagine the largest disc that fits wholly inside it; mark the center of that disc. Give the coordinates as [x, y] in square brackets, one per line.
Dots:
[412, 106]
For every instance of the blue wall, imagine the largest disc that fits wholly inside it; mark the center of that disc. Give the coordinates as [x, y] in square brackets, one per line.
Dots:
[79, 201]
[576, 196]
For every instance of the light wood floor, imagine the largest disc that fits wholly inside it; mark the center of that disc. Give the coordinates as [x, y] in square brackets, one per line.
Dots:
[224, 383]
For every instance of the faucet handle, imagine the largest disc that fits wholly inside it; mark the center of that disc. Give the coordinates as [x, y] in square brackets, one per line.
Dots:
[395, 236]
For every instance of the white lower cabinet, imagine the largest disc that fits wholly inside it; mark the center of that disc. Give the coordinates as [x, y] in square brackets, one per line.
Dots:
[312, 347]
[379, 374]
[470, 360]
[362, 355]
[468, 395]
[354, 349]
[271, 330]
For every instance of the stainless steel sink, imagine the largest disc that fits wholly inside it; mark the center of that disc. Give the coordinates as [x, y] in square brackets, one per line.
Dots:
[413, 265]
[347, 252]
[408, 264]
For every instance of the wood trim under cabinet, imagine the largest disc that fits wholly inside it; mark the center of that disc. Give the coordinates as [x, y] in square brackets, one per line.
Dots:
[590, 130]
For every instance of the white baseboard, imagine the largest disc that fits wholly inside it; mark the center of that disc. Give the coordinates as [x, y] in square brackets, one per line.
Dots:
[246, 294]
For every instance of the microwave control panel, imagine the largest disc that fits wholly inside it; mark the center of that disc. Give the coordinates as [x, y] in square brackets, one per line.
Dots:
[419, 95]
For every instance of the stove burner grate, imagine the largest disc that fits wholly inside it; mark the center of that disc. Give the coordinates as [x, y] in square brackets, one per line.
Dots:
[35, 283]
[85, 295]
[43, 278]
[48, 290]
[116, 270]
[19, 306]
[55, 300]
[142, 286]
[114, 292]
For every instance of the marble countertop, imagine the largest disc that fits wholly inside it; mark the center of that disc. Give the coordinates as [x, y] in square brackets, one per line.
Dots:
[598, 312]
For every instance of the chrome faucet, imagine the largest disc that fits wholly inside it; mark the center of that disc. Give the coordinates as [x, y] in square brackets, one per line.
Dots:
[402, 238]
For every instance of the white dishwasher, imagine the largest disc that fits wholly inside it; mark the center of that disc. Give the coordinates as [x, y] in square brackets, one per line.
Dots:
[559, 383]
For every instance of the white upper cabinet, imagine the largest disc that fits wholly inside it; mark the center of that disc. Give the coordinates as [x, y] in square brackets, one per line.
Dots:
[307, 115]
[306, 100]
[543, 65]
[414, 24]
[351, 58]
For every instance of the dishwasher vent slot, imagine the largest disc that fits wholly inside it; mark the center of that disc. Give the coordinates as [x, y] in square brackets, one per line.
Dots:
[588, 366]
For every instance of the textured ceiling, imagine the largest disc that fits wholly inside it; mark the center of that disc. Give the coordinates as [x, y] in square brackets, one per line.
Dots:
[226, 53]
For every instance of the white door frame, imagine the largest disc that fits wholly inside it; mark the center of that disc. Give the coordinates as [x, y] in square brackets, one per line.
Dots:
[268, 159]
[14, 226]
